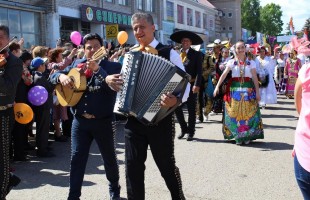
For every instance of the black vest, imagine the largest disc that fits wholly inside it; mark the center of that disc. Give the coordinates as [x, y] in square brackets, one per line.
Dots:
[163, 51]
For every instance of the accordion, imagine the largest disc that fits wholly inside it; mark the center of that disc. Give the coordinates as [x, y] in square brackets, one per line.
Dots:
[146, 77]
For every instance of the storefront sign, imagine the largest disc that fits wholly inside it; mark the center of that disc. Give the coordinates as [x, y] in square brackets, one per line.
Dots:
[111, 31]
[100, 15]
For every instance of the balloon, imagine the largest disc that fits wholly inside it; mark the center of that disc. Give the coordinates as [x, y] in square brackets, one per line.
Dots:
[37, 95]
[122, 37]
[23, 113]
[76, 38]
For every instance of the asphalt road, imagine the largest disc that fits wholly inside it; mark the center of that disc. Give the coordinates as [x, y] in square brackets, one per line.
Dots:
[211, 168]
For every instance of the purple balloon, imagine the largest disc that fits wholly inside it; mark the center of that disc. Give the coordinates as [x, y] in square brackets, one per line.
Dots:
[37, 95]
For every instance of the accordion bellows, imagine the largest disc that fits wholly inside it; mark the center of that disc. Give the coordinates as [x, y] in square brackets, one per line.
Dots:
[146, 77]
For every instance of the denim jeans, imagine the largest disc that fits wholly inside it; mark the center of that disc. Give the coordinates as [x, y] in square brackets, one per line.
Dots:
[84, 131]
[303, 179]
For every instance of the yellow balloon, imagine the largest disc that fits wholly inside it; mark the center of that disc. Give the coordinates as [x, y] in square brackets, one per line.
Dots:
[23, 113]
[122, 37]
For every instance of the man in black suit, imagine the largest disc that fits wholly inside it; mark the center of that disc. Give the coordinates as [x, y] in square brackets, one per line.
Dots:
[10, 74]
[192, 61]
[93, 116]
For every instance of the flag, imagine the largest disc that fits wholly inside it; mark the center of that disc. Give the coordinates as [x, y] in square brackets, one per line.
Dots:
[292, 26]
[305, 34]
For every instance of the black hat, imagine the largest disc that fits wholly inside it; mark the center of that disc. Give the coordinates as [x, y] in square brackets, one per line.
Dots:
[178, 36]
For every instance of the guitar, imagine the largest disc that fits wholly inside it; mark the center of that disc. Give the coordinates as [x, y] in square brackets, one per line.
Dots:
[70, 97]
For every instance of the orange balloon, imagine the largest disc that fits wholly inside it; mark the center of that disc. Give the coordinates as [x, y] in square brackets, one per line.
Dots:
[23, 113]
[122, 37]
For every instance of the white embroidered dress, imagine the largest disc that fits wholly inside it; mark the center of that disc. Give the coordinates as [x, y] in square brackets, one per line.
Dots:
[268, 94]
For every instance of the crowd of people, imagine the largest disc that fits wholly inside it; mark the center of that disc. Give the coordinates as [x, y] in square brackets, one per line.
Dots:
[236, 81]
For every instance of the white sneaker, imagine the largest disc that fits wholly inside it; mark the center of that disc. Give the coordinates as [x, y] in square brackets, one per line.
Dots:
[247, 142]
[198, 121]
[205, 118]
[238, 143]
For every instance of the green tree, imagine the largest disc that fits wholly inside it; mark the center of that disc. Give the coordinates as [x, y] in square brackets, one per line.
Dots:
[307, 27]
[250, 15]
[270, 17]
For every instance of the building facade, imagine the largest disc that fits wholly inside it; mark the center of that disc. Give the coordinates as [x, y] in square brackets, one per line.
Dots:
[229, 13]
[195, 15]
[43, 22]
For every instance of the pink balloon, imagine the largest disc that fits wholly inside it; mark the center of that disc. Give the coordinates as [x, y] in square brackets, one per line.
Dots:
[76, 38]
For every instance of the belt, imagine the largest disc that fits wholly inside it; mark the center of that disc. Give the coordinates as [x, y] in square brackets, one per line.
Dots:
[6, 107]
[88, 116]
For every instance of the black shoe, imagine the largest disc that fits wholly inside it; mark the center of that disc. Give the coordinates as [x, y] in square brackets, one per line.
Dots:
[13, 182]
[47, 154]
[181, 135]
[190, 137]
[61, 138]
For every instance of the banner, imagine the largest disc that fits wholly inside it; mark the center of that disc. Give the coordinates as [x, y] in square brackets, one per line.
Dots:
[244, 34]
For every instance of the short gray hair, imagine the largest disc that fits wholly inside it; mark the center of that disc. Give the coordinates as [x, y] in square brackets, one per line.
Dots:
[146, 16]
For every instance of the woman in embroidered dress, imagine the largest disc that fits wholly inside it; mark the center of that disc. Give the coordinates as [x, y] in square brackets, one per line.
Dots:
[291, 69]
[265, 67]
[242, 118]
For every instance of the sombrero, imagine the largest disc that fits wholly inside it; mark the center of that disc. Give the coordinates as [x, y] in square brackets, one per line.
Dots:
[217, 42]
[178, 36]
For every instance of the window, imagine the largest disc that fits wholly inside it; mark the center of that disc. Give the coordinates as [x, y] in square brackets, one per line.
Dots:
[4, 16]
[189, 17]
[197, 18]
[223, 28]
[224, 14]
[22, 24]
[139, 4]
[180, 14]
[111, 1]
[230, 15]
[67, 26]
[230, 28]
[85, 28]
[169, 10]
[123, 2]
[150, 5]
[205, 20]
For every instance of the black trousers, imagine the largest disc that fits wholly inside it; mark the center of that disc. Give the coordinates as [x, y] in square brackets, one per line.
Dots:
[161, 141]
[191, 107]
[20, 139]
[200, 103]
[42, 118]
[6, 124]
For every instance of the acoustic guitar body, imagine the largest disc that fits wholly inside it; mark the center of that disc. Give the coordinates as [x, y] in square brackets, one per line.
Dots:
[70, 97]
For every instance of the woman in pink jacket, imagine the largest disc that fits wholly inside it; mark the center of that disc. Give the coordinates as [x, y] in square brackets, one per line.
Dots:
[302, 135]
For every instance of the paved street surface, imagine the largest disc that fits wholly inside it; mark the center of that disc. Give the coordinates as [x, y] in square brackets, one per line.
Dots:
[211, 168]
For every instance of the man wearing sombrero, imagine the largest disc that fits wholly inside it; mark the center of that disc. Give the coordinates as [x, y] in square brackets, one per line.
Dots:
[209, 65]
[192, 61]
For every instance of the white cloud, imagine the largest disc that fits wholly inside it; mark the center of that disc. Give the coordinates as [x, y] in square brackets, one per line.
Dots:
[292, 8]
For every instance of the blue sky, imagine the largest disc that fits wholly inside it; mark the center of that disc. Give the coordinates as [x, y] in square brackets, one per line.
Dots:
[292, 8]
